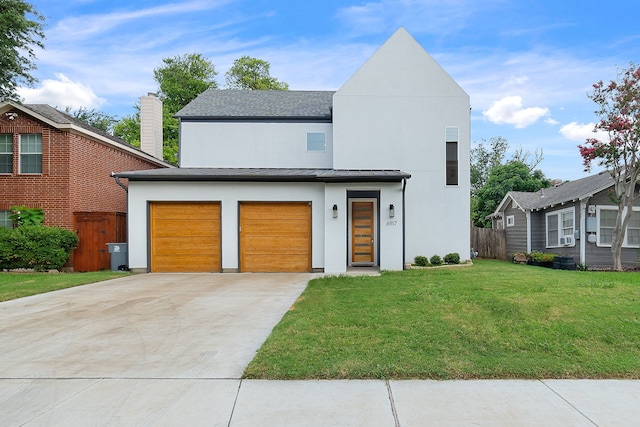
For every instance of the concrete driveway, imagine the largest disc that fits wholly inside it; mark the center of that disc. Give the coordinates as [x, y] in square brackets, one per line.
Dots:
[61, 348]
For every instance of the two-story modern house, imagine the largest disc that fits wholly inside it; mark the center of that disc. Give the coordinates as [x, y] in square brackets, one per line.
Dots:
[372, 174]
[51, 160]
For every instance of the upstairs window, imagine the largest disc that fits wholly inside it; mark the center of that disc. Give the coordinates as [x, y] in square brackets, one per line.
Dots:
[6, 153]
[31, 153]
[316, 141]
[451, 136]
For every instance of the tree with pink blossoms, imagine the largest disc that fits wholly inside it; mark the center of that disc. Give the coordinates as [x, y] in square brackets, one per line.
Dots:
[619, 111]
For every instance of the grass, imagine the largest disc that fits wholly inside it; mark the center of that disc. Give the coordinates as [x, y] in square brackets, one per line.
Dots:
[18, 285]
[491, 320]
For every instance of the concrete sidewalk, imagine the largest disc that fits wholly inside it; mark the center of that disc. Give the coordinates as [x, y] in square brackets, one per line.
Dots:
[233, 402]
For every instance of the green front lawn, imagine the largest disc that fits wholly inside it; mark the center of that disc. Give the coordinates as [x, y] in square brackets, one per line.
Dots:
[18, 285]
[491, 320]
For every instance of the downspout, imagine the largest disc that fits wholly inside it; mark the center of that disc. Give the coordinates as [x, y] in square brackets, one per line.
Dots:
[528, 214]
[113, 175]
[583, 233]
[404, 247]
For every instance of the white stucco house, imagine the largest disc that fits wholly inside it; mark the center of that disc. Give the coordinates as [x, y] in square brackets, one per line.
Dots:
[372, 174]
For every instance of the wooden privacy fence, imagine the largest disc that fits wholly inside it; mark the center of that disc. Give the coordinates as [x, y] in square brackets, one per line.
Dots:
[489, 243]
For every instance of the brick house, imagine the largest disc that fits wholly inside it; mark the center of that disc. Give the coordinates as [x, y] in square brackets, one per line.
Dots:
[52, 161]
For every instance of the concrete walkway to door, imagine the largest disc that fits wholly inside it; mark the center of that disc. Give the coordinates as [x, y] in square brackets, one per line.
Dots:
[169, 350]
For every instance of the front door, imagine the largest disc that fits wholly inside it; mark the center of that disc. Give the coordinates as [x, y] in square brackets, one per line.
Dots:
[362, 233]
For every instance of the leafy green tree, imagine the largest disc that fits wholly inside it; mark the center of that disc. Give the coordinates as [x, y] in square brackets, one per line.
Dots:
[513, 176]
[249, 73]
[128, 128]
[180, 80]
[19, 35]
[619, 111]
[93, 117]
[484, 159]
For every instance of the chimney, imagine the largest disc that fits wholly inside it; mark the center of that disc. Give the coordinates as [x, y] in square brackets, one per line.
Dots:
[151, 125]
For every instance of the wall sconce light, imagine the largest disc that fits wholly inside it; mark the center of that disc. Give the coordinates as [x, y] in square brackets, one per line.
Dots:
[335, 211]
[392, 211]
[11, 115]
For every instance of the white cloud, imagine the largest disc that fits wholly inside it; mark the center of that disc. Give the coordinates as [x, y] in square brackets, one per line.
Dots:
[581, 132]
[509, 110]
[62, 92]
[551, 121]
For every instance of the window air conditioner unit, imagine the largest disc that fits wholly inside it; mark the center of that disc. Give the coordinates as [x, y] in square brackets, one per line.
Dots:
[566, 241]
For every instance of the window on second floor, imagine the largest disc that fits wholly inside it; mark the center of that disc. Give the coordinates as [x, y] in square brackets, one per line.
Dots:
[511, 220]
[31, 153]
[451, 136]
[316, 141]
[6, 153]
[561, 228]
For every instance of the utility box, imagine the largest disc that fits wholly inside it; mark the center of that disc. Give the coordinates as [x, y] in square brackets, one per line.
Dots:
[118, 255]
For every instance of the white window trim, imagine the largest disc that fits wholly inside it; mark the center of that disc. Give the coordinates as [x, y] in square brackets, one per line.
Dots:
[324, 148]
[511, 220]
[20, 155]
[625, 243]
[10, 153]
[546, 231]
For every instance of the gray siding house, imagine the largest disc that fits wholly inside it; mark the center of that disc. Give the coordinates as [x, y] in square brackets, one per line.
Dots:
[575, 218]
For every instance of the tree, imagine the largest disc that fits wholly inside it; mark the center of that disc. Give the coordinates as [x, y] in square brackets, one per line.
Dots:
[513, 176]
[619, 111]
[19, 35]
[249, 73]
[484, 159]
[93, 117]
[180, 80]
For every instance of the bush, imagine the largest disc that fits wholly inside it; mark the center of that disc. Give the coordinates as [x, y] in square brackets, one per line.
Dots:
[542, 257]
[35, 246]
[421, 261]
[435, 260]
[453, 258]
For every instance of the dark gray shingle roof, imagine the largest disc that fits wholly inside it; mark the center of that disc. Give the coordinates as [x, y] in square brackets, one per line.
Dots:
[265, 175]
[259, 104]
[565, 192]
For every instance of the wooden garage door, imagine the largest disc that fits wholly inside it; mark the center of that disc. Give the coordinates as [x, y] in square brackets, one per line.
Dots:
[185, 237]
[275, 237]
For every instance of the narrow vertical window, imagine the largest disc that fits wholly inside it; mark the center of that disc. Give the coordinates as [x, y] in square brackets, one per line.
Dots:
[552, 230]
[31, 153]
[6, 153]
[451, 134]
[316, 141]
[606, 225]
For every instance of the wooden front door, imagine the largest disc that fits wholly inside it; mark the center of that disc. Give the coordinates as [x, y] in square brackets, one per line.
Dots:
[362, 233]
[95, 230]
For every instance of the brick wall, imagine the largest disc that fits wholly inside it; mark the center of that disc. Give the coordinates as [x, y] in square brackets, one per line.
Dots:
[75, 173]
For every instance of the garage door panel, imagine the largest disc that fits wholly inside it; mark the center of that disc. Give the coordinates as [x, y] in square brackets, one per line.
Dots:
[185, 237]
[275, 237]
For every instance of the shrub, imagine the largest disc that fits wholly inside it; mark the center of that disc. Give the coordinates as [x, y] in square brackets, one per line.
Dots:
[421, 261]
[35, 246]
[435, 260]
[542, 257]
[23, 215]
[453, 258]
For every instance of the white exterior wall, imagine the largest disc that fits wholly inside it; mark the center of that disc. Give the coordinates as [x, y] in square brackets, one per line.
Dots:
[337, 230]
[253, 145]
[228, 194]
[392, 114]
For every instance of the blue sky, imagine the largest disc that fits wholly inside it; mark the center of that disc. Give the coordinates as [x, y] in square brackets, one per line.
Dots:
[527, 65]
